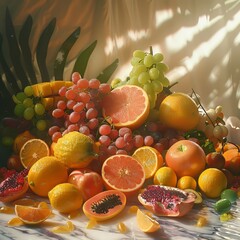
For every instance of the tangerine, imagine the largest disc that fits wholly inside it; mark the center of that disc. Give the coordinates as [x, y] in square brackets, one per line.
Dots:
[126, 106]
[179, 111]
[123, 173]
[187, 182]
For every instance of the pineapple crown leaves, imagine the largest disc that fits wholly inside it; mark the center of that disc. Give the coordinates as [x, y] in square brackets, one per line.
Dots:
[21, 67]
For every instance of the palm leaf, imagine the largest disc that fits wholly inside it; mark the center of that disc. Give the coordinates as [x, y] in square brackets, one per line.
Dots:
[83, 58]
[26, 52]
[11, 80]
[41, 50]
[14, 50]
[105, 75]
[62, 54]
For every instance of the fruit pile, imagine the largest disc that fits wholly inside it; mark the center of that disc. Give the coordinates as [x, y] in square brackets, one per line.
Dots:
[93, 146]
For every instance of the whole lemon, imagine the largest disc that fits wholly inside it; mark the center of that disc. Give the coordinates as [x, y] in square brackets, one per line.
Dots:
[45, 174]
[75, 150]
[179, 111]
[212, 182]
[65, 198]
[165, 176]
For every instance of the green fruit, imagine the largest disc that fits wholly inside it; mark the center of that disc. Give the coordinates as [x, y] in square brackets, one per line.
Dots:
[222, 206]
[229, 194]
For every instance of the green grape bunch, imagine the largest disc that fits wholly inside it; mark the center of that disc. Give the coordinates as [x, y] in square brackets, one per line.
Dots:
[148, 72]
[30, 108]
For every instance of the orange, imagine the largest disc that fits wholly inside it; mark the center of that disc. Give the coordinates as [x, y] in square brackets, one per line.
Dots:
[65, 198]
[230, 153]
[146, 223]
[32, 151]
[126, 106]
[187, 182]
[212, 182]
[32, 215]
[20, 140]
[179, 111]
[123, 173]
[150, 159]
[45, 174]
[75, 150]
[165, 176]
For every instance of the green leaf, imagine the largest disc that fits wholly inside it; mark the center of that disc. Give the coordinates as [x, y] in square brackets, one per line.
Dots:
[11, 80]
[26, 52]
[105, 75]
[62, 54]
[14, 50]
[41, 50]
[83, 58]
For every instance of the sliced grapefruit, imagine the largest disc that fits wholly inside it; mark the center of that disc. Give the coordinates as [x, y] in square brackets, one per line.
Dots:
[32, 215]
[126, 106]
[123, 173]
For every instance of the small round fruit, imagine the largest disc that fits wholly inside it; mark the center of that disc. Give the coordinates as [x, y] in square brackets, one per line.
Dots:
[165, 176]
[222, 206]
[229, 194]
[215, 160]
[186, 182]
[207, 182]
[65, 198]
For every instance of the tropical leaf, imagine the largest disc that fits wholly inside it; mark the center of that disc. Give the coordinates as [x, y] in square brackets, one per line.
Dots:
[26, 52]
[14, 50]
[62, 54]
[105, 75]
[41, 50]
[83, 58]
[11, 80]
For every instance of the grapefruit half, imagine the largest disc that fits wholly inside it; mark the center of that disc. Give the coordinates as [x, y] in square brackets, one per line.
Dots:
[126, 106]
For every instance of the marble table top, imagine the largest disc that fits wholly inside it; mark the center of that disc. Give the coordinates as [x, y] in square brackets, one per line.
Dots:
[171, 228]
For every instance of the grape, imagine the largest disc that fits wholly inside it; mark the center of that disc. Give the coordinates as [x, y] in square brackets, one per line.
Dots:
[56, 136]
[139, 54]
[61, 105]
[91, 113]
[165, 82]
[148, 60]
[82, 83]
[135, 61]
[122, 151]
[84, 97]
[113, 134]
[143, 77]
[93, 123]
[84, 130]
[105, 129]
[148, 140]
[120, 143]
[28, 113]
[224, 131]
[72, 127]
[157, 86]
[138, 141]
[70, 104]
[217, 132]
[212, 114]
[75, 77]
[28, 102]
[154, 73]
[21, 96]
[138, 69]
[70, 94]
[57, 113]
[41, 125]
[19, 110]
[39, 109]
[158, 57]
[53, 129]
[112, 149]
[62, 91]
[104, 88]
[105, 140]
[94, 83]
[78, 107]
[162, 67]
[74, 117]
[124, 130]
[28, 91]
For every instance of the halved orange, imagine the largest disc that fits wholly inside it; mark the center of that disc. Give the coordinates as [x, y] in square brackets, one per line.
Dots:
[146, 223]
[32, 215]
[32, 151]
[150, 159]
[123, 173]
[126, 106]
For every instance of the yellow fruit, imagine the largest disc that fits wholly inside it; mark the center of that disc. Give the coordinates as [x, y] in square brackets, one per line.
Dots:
[32, 151]
[212, 182]
[165, 176]
[65, 198]
[146, 223]
[186, 182]
[75, 150]
[150, 159]
[20, 140]
[45, 174]
[179, 111]
[32, 215]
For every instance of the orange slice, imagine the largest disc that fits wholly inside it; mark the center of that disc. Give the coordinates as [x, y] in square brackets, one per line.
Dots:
[146, 223]
[32, 215]
[126, 106]
[32, 151]
[150, 159]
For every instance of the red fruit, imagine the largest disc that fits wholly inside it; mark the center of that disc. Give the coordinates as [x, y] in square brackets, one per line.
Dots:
[167, 201]
[215, 160]
[229, 176]
[14, 186]
[87, 181]
[233, 165]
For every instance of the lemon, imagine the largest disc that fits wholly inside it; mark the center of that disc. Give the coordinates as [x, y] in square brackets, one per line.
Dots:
[75, 150]
[186, 182]
[65, 198]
